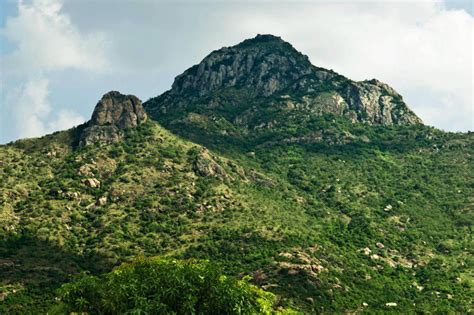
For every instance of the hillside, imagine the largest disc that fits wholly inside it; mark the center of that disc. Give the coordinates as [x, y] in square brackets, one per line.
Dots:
[329, 193]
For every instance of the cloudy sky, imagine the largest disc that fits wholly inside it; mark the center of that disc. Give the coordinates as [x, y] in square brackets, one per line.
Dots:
[58, 57]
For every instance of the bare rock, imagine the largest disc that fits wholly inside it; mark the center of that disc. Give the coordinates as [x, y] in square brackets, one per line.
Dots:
[299, 261]
[377, 103]
[86, 170]
[286, 255]
[375, 257]
[265, 67]
[205, 165]
[113, 114]
[259, 178]
[71, 195]
[102, 201]
[269, 286]
[91, 182]
[6, 263]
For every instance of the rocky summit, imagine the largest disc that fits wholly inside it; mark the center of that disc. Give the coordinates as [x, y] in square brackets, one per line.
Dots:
[114, 113]
[263, 66]
[251, 84]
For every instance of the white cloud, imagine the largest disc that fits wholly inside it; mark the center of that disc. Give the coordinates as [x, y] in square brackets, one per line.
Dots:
[65, 119]
[46, 41]
[32, 115]
[31, 106]
[420, 48]
[84, 48]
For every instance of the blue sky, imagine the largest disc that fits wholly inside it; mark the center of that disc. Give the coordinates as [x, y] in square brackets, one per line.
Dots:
[58, 57]
[466, 5]
[8, 8]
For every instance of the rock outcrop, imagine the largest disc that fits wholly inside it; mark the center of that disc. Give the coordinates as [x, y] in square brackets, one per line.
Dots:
[113, 114]
[378, 103]
[271, 71]
[205, 164]
[263, 66]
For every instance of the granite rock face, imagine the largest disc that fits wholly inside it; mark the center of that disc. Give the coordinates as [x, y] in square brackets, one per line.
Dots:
[267, 69]
[113, 114]
[375, 102]
[263, 66]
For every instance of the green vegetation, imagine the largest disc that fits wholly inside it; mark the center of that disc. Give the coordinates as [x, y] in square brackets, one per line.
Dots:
[330, 216]
[164, 286]
[265, 185]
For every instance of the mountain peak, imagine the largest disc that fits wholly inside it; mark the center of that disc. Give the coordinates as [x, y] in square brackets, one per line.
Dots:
[114, 108]
[114, 113]
[265, 39]
[265, 81]
[262, 66]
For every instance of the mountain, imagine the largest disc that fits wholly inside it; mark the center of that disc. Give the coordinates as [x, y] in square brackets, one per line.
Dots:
[264, 83]
[329, 193]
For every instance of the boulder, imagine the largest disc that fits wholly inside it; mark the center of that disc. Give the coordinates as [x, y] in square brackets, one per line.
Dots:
[366, 251]
[102, 201]
[205, 165]
[85, 170]
[91, 182]
[375, 257]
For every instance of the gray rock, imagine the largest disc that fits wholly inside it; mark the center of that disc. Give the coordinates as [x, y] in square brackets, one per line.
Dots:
[263, 65]
[266, 68]
[91, 182]
[114, 113]
[102, 201]
[205, 165]
[376, 103]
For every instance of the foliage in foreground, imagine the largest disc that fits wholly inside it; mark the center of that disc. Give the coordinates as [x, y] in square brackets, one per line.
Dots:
[164, 286]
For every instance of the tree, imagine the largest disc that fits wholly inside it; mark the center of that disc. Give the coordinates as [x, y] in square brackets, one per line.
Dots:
[164, 286]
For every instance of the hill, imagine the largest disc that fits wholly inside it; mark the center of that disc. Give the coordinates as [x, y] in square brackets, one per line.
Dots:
[329, 193]
[263, 85]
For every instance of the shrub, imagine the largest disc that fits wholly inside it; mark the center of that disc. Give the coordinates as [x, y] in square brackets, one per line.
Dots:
[163, 286]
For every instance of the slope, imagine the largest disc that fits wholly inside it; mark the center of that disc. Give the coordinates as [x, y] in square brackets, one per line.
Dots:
[328, 192]
[328, 227]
